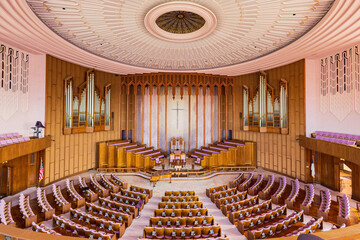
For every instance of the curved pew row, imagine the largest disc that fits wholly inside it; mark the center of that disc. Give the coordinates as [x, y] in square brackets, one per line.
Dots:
[181, 222]
[264, 193]
[114, 188]
[59, 199]
[276, 228]
[236, 181]
[254, 222]
[102, 191]
[309, 198]
[108, 213]
[245, 185]
[46, 209]
[295, 187]
[180, 205]
[26, 211]
[254, 210]
[99, 222]
[221, 194]
[90, 195]
[325, 204]
[187, 232]
[219, 202]
[118, 181]
[76, 199]
[275, 198]
[5, 213]
[179, 199]
[70, 228]
[254, 189]
[179, 193]
[239, 205]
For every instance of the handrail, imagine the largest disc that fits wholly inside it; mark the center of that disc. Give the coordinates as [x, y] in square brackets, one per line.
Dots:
[196, 173]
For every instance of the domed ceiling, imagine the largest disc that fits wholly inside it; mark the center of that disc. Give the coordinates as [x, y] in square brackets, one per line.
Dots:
[223, 32]
[180, 22]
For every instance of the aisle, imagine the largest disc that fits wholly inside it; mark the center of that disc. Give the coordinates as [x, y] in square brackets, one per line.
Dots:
[227, 228]
[136, 229]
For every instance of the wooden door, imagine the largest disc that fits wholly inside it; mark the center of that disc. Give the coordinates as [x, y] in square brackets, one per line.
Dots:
[6, 181]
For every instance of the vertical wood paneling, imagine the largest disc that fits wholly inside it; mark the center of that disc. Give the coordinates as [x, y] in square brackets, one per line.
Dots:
[279, 153]
[70, 154]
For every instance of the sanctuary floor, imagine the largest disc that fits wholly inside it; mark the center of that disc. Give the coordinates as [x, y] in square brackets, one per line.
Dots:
[198, 184]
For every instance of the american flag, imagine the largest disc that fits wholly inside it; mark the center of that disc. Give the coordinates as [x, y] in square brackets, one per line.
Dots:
[41, 171]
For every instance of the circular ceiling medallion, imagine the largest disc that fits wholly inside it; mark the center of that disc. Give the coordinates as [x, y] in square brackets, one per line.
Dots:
[180, 21]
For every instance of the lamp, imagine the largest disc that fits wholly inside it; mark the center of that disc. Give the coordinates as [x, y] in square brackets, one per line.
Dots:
[37, 127]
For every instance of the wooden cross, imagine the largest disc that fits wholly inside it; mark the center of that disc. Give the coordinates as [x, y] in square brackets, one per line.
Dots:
[177, 109]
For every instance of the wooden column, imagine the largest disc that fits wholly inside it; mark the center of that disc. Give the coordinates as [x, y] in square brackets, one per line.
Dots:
[355, 180]
[120, 108]
[226, 112]
[197, 114]
[166, 93]
[204, 95]
[219, 113]
[330, 171]
[211, 113]
[189, 91]
[308, 160]
[142, 112]
[158, 88]
[127, 111]
[150, 94]
[233, 111]
[135, 100]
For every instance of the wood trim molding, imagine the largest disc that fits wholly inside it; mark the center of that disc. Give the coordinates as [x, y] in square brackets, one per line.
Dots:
[226, 112]
[219, 113]
[212, 115]
[158, 89]
[204, 108]
[197, 115]
[189, 90]
[142, 112]
[127, 111]
[166, 93]
[135, 115]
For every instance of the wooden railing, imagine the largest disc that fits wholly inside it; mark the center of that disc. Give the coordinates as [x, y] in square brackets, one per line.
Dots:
[350, 153]
[16, 150]
[189, 173]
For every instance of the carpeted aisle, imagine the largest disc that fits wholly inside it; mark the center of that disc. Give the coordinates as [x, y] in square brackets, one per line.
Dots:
[137, 227]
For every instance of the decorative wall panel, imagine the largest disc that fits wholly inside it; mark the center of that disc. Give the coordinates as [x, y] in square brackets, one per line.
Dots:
[340, 84]
[14, 81]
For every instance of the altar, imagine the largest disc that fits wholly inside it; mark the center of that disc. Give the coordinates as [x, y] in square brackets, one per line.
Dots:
[177, 157]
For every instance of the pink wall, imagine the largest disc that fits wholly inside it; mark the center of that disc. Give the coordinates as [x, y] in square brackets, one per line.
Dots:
[317, 121]
[22, 121]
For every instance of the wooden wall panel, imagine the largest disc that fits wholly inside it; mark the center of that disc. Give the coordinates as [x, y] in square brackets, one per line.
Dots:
[71, 154]
[275, 152]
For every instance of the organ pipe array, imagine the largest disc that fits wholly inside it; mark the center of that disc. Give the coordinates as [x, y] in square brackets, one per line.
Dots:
[88, 110]
[262, 110]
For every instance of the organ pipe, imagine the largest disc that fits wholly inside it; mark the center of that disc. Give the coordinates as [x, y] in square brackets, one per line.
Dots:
[262, 108]
[246, 106]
